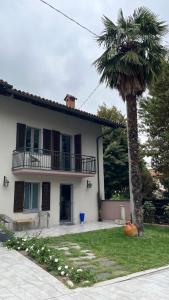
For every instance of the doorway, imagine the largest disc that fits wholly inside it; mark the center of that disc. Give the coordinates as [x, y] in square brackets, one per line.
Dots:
[65, 203]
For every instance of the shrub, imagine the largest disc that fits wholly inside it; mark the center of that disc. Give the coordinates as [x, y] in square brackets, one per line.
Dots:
[149, 212]
[166, 212]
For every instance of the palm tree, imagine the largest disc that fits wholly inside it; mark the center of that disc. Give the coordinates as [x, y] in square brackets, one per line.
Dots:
[131, 60]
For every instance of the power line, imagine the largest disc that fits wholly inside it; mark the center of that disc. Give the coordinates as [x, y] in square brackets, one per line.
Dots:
[91, 94]
[83, 27]
[69, 18]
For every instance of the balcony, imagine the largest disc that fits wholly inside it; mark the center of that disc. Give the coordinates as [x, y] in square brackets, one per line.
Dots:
[41, 161]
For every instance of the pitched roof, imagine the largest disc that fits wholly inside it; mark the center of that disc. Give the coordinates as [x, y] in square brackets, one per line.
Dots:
[8, 90]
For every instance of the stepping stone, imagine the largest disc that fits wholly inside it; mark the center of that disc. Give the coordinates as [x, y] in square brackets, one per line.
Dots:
[67, 253]
[85, 251]
[82, 258]
[102, 276]
[63, 248]
[106, 262]
[76, 247]
[81, 263]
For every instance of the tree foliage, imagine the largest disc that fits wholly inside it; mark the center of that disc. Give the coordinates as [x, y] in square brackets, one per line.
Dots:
[115, 153]
[154, 113]
[115, 149]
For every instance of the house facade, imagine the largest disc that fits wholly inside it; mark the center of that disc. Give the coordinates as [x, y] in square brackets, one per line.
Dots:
[51, 159]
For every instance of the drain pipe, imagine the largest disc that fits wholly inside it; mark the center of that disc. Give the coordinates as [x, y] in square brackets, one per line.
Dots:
[98, 180]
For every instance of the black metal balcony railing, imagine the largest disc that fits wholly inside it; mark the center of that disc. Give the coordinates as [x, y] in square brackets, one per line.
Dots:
[42, 159]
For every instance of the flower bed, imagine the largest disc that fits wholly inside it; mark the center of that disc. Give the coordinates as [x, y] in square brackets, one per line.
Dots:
[52, 261]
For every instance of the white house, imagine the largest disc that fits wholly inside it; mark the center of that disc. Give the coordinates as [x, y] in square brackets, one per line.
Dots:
[51, 159]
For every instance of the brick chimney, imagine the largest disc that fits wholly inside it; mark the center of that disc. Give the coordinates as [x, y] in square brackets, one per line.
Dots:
[70, 101]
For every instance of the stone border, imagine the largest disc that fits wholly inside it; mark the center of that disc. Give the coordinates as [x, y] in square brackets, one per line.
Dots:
[131, 276]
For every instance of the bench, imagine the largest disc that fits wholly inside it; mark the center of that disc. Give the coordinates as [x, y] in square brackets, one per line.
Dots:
[23, 224]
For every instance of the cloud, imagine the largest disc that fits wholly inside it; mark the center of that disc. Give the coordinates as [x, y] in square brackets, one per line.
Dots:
[46, 54]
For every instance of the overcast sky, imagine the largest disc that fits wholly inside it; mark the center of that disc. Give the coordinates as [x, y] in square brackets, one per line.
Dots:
[43, 53]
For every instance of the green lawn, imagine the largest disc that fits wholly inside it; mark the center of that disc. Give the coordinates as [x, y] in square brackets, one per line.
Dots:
[131, 254]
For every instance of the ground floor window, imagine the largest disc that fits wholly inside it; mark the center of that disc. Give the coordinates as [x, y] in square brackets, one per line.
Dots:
[31, 196]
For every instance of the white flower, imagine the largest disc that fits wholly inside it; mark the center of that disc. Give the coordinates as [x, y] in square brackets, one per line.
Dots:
[59, 268]
[50, 257]
[27, 250]
[24, 240]
[42, 248]
[79, 270]
[38, 251]
[56, 260]
[19, 248]
[48, 250]
[31, 247]
[17, 242]
[72, 268]
[62, 273]
[66, 267]
[22, 244]
[67, 275]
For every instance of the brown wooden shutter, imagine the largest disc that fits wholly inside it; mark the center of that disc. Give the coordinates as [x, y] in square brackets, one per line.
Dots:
[20, 136]
[55, 159]
[45, 196]
[19, 196]
[46, 141]
[78, 152]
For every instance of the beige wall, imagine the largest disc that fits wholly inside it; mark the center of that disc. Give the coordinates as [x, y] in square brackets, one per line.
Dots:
[14, 111]
[111, 209]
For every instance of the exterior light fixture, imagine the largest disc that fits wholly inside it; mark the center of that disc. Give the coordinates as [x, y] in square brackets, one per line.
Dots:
[5, 182]
[89, 184]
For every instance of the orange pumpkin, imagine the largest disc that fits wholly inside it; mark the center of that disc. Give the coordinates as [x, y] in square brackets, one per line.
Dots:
[130, 229]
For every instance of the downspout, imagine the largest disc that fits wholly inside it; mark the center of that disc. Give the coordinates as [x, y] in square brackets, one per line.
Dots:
[98, 180]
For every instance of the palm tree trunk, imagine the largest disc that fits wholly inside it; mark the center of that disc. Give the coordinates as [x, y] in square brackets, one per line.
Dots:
[134, 172]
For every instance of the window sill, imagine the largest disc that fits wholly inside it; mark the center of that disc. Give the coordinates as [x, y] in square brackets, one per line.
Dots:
[29, 211]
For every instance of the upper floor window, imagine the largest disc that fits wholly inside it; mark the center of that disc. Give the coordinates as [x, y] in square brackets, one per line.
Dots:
[32, 139]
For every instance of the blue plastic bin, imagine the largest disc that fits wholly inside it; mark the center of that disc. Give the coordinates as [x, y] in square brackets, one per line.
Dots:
[82, 217]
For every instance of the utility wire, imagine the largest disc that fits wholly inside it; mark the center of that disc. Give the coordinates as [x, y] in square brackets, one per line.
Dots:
[69, 18]
[91, 94]
[83, 27]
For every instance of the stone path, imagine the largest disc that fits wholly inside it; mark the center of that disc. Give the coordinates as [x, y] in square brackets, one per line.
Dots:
[103, 267]
[21, 279]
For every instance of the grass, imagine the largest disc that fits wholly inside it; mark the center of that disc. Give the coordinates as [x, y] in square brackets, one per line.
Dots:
[132, 254]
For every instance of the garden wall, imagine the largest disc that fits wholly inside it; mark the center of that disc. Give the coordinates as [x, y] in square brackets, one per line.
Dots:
[111, 209]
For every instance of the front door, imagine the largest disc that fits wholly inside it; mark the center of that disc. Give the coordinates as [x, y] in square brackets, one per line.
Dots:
[65, 203]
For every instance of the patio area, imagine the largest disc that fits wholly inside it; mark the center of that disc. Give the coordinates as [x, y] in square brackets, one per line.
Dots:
[68, 229]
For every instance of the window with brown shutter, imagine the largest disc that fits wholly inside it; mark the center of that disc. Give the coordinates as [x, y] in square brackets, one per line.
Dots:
[45, 196]
[20, 136]
[78, 152]
[46, 141]
[19, 196]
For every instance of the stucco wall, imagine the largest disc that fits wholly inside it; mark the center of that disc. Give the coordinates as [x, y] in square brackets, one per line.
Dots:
[111, 209]
[12, 112]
